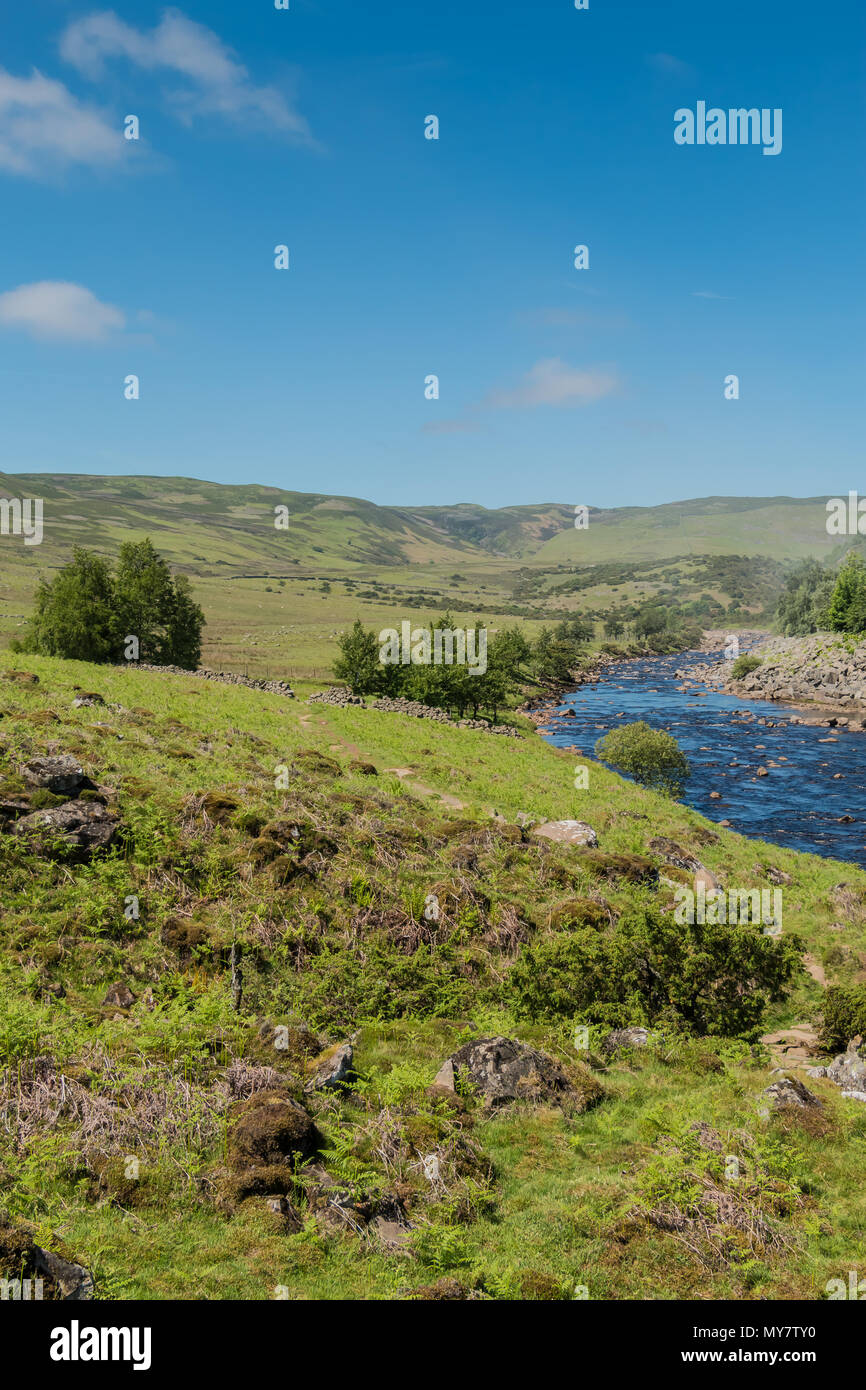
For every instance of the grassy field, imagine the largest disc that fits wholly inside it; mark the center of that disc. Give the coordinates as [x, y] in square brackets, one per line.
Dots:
[535, 1201]
[275, 600]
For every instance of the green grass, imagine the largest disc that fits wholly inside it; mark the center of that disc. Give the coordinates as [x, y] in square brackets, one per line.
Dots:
[261, 588]
[345, 950]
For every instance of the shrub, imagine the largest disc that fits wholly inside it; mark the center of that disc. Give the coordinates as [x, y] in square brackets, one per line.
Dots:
[650, 756]
[844, 1016]
[744, 665]
[702, 978]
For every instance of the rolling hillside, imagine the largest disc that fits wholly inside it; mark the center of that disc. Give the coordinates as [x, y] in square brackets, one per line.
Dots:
[212, 528]
[276, 599]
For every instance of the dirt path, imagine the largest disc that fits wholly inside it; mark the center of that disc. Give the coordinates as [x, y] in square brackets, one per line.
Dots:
[405, 774]
[792, 1047]
[816, 970]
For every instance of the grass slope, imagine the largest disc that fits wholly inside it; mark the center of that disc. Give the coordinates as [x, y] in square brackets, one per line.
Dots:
[534, 1202]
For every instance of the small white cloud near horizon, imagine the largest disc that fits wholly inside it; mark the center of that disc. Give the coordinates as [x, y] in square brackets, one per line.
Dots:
[59, 310]
[219, 84]
[553, 382]
[43, 128]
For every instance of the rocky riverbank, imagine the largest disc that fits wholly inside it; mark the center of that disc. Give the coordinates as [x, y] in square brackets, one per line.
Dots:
[538, 709]
[824, 675]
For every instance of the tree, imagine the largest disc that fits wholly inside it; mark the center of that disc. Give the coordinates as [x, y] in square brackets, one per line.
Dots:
[847, 610]
[650, 756]
[358, 663]
[802, 607]
[145, 600]
[185, 625]
[76, 613]
[554, 658]
[650, 621]
[86, 612]
[510, 649]
[577, 630]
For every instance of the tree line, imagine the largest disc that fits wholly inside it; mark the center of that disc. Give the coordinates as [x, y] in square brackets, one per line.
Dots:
[824, 598]
[89, 611]
[512, 662]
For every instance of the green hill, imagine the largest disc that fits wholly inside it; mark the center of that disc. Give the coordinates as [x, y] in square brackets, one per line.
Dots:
[276, 599]
[149, 1112]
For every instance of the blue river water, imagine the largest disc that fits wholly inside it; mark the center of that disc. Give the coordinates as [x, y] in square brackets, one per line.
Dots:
[801, 802]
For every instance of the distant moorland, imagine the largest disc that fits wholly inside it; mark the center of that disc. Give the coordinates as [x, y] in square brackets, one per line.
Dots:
[276, 599]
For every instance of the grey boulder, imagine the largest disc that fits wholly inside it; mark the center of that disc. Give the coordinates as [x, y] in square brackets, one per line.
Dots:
[61, 774]
[81, 827]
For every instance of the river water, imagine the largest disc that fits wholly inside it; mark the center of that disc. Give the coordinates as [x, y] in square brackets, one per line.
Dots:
[800, 803]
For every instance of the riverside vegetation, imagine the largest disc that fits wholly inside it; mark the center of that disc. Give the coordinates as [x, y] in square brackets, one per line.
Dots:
[241, 935]
[312, 1000]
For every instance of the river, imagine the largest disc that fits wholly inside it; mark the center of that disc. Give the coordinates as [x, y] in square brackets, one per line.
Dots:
[801, 803]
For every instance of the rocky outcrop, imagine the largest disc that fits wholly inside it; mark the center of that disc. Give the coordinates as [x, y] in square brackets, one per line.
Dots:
[61, 774]
[847, 1071]
[824, 669]
[567, 832]
[625, 1037]
[505, 1070]
[73, 1282]
[22, 1261]
[790, 1091]
[118, 996]
[333, 1071]
[270, 1130]
[77, 829]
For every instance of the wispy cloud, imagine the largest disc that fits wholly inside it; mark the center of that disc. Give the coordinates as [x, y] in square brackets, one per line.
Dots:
[708, 294]
[44, 128]
[669, 66]
[59, 309]
[553, 382]
[216, 82]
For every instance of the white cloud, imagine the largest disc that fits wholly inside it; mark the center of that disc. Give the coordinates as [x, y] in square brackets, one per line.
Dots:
[707, 294]
[43, 127]
[667, 63]
[553, 382]
[59, 309]
[218, 83]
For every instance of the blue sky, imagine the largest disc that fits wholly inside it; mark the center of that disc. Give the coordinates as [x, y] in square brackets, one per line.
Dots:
[454, 257]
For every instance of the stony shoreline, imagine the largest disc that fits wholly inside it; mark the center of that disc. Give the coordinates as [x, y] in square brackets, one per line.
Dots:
[822, 675]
